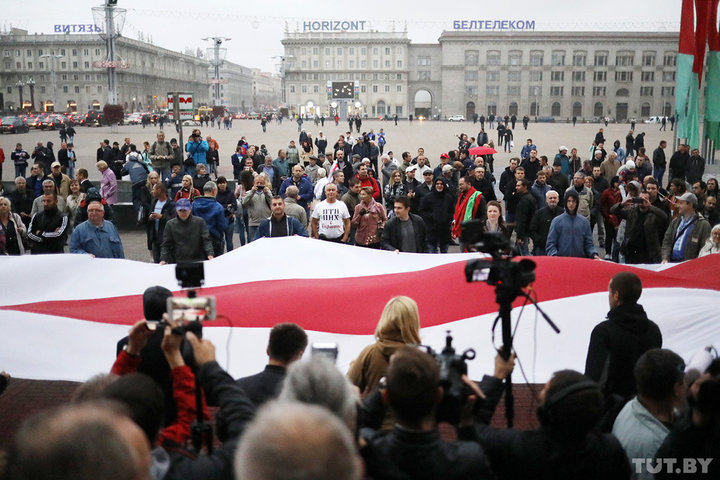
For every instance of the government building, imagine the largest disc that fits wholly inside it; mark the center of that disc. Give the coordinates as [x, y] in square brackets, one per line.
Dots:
[552, 76]
[64, 72]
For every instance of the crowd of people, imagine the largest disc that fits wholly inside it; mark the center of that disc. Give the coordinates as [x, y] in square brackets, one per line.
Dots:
[616, 204]
[636, 412]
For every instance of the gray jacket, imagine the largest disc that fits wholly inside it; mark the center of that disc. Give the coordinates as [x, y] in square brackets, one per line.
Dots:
[257, 205]
[161, 155]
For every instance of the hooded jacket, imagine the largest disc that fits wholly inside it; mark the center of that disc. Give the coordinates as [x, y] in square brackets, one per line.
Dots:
[570, 234]
[615, 346]
[213, 213]
[437, 209]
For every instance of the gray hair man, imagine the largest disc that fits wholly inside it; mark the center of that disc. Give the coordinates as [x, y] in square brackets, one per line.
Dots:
[295, 441]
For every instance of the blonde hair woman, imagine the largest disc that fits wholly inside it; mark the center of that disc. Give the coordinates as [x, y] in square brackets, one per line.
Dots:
[399, 325]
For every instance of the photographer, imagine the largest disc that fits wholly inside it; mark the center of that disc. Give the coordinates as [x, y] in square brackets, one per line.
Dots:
[413, 448]
[566, 446]
[196, 148]
[143, 398]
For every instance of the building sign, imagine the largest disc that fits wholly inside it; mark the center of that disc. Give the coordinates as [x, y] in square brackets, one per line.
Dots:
[494, 25]
[77, 28]
[186, 105]
[334, 26]
[215, 81]
[110, 64]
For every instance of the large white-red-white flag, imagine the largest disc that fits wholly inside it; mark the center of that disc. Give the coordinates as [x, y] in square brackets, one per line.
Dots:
[61, 315]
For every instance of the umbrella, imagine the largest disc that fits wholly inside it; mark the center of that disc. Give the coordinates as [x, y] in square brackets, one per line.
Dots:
[481, 151]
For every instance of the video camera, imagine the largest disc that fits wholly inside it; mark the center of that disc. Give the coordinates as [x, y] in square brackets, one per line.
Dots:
[192, 310]
[500, 272]
[452, 368]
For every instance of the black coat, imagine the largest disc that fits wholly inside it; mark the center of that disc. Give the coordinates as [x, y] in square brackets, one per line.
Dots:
[263, 386]
[437, 210]
[615, 346]
[540, 224]
[523, 214]
[168, 213]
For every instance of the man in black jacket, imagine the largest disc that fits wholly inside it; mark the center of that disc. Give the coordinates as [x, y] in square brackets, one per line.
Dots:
[405, 232]
[483, 184]
[659, 162]
[413, 448]
[540, 223]
[186, 237]
[617, 343]
[523, 214]
[286, 345]
[644, 225]
[48, 228]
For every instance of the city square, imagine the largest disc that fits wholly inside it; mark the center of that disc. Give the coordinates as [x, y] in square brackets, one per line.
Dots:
[556, 321]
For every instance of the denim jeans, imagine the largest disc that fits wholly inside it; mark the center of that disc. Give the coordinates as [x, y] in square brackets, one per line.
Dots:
[229, 230]
[658, 174]
[434, 245]
[20, 171]
[241, 229]
[251, 232]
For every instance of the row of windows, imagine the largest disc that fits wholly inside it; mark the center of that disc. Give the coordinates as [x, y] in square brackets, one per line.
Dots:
[356, 76]
[29, 53]
[363, 88]
[340, 64]
[66, 89]
[341, 50]
[558, 91]
[577, 76]
[579, 59]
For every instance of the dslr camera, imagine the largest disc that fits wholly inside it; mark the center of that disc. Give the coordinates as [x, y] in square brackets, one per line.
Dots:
[452, 368]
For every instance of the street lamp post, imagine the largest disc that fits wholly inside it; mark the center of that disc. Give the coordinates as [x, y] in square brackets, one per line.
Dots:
[31, 84]
[20, 84]
[53, 76]
[283, 59]
[217, 61]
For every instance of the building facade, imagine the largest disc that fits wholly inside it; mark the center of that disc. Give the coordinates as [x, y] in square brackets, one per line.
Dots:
[68, 75]
[236, 87]
[549, 75]
[374, 61]
[266, 93]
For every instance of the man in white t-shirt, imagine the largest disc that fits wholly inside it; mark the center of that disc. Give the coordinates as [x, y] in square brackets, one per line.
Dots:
[330, 218]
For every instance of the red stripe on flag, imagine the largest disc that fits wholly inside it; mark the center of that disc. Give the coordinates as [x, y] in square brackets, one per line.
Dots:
[702, 8]
[353, 305]
[687, 28]
[713, 36]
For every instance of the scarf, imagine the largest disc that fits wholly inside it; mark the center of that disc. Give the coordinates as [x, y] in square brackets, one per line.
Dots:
[465, 209]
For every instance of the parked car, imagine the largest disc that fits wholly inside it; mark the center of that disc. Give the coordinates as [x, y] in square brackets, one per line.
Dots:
[653, 119]
[456, 118]
[36, 121]
[51, 122]
[93, 118]
[133, 119]
[13, 125]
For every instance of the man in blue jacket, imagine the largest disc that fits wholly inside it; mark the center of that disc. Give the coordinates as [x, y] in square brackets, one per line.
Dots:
[570, 234]
[197, 148]
[303, 184]
[207, 208]
[279, 224]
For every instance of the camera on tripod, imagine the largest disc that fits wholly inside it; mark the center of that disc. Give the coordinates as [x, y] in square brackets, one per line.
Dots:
[500, 271]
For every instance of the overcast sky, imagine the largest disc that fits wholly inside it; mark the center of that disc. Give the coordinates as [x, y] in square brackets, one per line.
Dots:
[257, 27]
